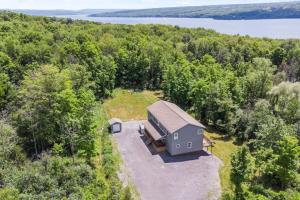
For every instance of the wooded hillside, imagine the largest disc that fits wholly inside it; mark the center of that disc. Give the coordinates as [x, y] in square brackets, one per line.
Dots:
[231, 12]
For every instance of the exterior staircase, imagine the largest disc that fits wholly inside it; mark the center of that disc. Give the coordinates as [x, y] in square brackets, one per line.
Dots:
[148, 141]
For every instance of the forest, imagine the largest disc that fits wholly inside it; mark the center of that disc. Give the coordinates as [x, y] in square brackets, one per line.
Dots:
[55, 73]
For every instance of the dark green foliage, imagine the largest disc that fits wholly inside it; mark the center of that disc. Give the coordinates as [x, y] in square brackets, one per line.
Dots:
[258, 81]
[278, 56]
[242, 170]
[109, 160]
[127, 194]
[50, 178]
[178, 83]
[281, 169]
[6, 91]
[242, 166]
[51, 111]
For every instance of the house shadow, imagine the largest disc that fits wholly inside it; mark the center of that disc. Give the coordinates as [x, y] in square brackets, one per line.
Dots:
[149, 146]
[167, 158]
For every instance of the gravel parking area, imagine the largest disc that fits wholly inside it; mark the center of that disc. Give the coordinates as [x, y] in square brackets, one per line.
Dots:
[163, 177]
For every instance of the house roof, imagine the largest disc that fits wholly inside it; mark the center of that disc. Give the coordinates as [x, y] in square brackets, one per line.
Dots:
[152, 131]
[114, 121]
[171, 116]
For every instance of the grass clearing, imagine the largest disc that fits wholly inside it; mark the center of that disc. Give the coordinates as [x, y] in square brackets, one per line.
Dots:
[223, 149]
[130, 105]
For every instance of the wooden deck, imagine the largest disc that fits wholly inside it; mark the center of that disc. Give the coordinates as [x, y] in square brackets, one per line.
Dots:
[207, 142]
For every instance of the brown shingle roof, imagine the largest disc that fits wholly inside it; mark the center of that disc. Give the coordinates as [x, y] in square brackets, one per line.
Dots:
[171, 116]
[152, 131]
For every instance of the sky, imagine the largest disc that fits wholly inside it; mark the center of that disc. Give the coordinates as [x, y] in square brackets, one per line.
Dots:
[115, 4]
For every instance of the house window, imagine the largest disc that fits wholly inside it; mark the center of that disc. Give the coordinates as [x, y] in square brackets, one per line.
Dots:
[175, 136]
[177, 146]
[163, 130]
[189, 145]
[199, 131]
[152, 118]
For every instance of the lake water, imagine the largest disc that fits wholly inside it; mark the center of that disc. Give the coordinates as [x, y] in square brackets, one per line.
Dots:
[272, 28]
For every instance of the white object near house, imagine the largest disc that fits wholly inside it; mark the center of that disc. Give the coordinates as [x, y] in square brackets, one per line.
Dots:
[115, 125]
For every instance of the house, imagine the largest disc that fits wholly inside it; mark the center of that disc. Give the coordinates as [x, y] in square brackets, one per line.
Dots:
[115, 125]
[170, 126]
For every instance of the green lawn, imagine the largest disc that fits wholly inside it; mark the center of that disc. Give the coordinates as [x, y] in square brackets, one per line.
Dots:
[223, 149]
[129, 105]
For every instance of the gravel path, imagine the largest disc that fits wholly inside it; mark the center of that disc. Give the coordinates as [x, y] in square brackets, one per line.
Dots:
[162, 177]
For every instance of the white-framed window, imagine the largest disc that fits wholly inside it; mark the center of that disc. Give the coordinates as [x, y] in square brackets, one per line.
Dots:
[199, 131]
[163, 130]
[177, 146]
[176, 136]
[189, 145]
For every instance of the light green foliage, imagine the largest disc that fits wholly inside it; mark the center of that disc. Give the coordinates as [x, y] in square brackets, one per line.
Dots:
[270, 132]
[177, 83]
[53, 178]
[294, 64]
[283, 162]
[102, 68]
[127, 194]
[258, 81]
[53, 112]
[9, 193]
[285, 99]
[242, 167]
[57, 149]
[278, 56]
[8, 139]
[6, 91]
[214, 93]
[133, 67]
[247, 122]
[7, 67]
[10, 152]
[242, 171]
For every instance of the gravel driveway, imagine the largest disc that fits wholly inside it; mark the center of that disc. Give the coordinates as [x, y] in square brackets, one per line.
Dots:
[162, 177]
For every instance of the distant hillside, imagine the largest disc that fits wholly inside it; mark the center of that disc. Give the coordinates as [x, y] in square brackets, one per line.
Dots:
[64, 12]
[241, 11]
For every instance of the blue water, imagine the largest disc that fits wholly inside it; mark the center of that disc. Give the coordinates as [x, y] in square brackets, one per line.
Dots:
[271, 28]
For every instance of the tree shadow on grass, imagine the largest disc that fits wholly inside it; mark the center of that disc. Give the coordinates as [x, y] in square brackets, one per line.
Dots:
[219, 135]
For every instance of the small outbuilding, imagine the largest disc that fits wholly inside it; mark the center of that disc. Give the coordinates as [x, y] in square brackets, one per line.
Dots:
[115, 125]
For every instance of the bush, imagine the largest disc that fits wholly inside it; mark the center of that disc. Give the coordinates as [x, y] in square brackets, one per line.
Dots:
[9, 193]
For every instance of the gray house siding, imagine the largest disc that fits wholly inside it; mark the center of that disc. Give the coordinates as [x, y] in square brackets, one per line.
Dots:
[186, 135]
